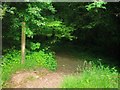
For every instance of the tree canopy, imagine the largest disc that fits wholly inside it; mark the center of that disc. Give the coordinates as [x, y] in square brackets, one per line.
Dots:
[90, 23]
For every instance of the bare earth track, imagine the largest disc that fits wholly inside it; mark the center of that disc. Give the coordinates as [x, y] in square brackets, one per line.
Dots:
[43, 78]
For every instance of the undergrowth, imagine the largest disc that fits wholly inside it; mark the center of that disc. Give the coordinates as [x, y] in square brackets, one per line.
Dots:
[93, 76]
[12, 62]
[0, 77]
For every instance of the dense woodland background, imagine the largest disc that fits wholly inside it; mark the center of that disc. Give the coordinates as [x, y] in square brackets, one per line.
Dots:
[96, 28]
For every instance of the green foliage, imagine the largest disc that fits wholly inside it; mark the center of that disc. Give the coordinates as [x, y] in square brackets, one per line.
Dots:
[34, 46]
[40, 20]
[41, 59]
[1, 82]
[11, 62]
[33, 14]
[96, 4]
[93, 77]
[59, 29]
[2, 10]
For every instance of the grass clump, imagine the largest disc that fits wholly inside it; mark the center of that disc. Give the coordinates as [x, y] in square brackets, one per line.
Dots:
[12, 62]
[1, 78]
[93, 77]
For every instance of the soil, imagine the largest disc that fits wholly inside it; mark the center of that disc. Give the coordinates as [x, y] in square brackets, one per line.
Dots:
[43, 78]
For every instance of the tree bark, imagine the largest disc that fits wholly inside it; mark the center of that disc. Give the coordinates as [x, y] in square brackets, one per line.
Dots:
[23, 43]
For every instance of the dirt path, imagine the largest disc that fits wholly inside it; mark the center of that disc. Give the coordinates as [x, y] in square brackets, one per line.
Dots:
[43, 78]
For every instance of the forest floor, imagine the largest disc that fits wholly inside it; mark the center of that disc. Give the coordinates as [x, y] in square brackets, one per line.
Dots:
[43, 78]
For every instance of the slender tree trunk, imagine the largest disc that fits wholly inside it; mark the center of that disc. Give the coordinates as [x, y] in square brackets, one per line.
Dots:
[23, 43]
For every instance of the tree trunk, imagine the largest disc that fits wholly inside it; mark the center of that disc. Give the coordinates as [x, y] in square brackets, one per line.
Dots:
[23, 43]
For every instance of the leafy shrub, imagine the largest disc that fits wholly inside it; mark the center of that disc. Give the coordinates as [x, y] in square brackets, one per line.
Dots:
[96, 4]
[41, 59]
[11, 62]
[94, 77]
[35, 46]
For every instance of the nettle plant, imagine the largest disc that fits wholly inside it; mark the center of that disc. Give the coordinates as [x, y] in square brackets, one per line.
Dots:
[39, 18]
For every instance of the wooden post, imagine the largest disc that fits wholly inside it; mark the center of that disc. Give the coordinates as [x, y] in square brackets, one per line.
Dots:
[23, 43]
